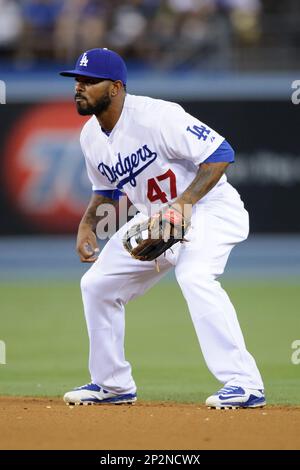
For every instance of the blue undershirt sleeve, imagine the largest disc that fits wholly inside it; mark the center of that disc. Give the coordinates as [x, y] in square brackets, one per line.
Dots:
[224, 153]
[114, 194]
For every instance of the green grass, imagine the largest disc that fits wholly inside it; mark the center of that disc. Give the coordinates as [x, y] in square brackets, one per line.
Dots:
[47, 347]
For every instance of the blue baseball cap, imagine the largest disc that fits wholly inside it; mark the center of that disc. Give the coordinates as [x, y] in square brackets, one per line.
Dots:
[99, 63]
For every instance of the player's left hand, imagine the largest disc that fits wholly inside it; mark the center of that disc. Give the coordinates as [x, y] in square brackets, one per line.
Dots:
[148, 240]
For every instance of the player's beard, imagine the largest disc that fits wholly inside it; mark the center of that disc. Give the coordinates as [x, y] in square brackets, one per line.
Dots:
[87, 109]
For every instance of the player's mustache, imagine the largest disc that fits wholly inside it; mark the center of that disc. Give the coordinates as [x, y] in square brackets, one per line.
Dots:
[78, 95]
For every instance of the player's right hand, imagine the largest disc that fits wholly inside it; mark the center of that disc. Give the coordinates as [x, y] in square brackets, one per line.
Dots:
[87, 247]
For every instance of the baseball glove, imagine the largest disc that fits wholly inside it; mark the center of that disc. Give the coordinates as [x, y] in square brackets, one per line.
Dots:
[148, 240]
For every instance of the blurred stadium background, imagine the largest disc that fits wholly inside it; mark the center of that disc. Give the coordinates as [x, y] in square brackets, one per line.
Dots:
[229, 62]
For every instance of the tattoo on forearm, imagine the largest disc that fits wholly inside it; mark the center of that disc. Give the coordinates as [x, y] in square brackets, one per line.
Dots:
[207, 177]
[90, 217]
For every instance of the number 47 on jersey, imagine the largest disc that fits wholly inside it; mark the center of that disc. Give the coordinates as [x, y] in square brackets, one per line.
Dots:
[155, 192]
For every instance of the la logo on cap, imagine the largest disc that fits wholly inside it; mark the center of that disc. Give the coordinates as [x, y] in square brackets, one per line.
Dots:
[84, 60]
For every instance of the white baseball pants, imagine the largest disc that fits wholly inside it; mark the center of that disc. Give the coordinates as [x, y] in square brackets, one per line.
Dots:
[116, 278]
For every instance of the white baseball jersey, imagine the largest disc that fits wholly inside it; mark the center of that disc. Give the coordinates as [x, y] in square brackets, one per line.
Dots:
[152, 153]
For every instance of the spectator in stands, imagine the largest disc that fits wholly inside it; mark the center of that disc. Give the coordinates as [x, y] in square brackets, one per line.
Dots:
[168, 34]
[189, 33]
[10, 25]
[244, 16]
[39, 18]
[82, 25]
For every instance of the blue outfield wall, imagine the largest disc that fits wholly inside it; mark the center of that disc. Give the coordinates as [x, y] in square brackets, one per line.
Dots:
[44, 85]
[55, 258]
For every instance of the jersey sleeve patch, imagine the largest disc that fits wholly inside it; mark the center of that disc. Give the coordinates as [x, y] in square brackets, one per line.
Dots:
[114, 194]
[224, 153]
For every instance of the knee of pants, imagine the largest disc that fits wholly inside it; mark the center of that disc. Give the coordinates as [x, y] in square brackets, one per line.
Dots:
[200, 293]
[94, 283]
[104, 289]
[203, 280]
[99, 300]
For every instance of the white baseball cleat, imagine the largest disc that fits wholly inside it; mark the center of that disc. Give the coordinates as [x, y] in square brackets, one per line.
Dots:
[236, 397]
[91, 394]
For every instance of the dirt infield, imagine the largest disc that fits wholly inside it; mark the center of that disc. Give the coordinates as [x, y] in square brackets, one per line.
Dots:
[41, 423]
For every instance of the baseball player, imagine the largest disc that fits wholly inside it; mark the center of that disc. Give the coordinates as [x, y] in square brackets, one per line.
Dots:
[172, 167]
